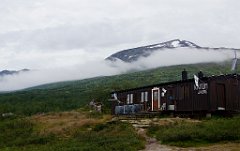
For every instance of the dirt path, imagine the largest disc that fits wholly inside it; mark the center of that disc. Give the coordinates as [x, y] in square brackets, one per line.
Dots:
[153, 145]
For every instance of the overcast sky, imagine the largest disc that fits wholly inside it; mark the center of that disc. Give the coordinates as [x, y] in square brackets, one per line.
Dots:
[40, 34]
[69, 39]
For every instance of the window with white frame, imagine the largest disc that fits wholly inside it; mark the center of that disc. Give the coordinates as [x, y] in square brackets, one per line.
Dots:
[144, 96]
[129, 98]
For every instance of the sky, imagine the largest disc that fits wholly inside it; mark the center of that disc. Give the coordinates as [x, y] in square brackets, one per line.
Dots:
[62, 35]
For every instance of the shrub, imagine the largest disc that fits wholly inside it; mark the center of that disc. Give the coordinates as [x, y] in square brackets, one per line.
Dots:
[103, 137]
[19, 132]
[193, 134]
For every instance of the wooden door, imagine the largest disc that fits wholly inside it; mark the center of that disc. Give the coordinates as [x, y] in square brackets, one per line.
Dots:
[221, 96]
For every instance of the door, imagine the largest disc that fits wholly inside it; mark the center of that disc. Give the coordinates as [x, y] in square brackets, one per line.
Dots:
[221, 97]
[155, 99]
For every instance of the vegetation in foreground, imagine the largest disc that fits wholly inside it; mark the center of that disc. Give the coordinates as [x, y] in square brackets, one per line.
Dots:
[185, 134]
[87, 134]
[44, 130]
[83, 131]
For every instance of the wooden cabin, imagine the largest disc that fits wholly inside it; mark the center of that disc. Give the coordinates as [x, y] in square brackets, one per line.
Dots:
[199, 94]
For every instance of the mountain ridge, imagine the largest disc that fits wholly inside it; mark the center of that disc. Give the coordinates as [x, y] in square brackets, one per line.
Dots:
[12, 72]
[133, 54]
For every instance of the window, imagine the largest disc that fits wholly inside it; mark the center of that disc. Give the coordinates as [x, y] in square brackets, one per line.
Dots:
[144, 96]
[129, 98]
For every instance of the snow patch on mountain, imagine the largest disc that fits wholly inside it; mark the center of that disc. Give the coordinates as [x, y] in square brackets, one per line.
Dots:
[132, 55]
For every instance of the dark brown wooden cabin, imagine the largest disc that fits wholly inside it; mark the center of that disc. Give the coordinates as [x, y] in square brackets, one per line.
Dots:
[210, 94]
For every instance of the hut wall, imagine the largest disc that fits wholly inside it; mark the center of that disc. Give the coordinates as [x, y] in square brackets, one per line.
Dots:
[200, 96]
[184, 98]
[225, 93]
[232, 91]
[212, 96]
[214, 93]
[189, 99]
[122, 96]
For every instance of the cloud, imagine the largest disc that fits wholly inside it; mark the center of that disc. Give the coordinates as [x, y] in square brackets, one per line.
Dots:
[105, 68]
[68, 37]
[178, 56]
[49, 34]
[109, 25]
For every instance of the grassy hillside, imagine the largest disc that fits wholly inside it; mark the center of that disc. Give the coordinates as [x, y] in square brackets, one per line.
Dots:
[187, 134]
[43, 121]
[67, 131]
[70, 95]
[82, 131]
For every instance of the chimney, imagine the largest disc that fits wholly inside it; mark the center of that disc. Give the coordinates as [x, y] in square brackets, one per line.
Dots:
[184, 75]
[200, 74]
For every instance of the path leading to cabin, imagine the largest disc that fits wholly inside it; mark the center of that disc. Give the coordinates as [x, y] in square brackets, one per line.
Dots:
[153, 145]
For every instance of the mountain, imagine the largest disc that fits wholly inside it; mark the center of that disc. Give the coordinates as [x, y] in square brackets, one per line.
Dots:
[131, 55]
[12, 72]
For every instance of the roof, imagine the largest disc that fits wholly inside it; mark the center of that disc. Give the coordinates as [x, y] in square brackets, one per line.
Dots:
[181, 81]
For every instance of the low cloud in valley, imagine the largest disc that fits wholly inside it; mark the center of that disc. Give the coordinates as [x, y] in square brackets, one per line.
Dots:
[106, 68]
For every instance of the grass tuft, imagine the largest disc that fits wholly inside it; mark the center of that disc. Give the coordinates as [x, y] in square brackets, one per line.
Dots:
[187, 134]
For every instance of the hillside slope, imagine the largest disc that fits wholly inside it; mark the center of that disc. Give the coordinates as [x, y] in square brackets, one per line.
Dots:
[74, 94]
